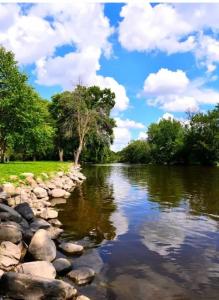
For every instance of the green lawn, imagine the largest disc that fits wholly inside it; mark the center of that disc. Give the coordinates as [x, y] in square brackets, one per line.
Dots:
[17, 168]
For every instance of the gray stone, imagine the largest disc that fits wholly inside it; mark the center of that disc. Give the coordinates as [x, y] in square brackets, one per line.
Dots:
[10, 231]
[62, 265]
[10, 255]
[42, 247]
[15, 216]
[22, 286]
[40, 192]
[54, 232]
[82, 276]
[25, 211]
[37, 268]
[3, 196]
[71, 248]
[58, 193]
[39, 224]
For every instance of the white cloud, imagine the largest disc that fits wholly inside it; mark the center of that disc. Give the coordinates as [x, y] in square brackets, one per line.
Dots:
[122, 136]
[142, 135]
[36, 34]
[166, 116]
[171, 28]
[128, 123]
[173, 91]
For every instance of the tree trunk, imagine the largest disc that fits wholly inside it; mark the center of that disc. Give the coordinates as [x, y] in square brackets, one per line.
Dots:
[78, 153]
[61, 154]
[2, 154]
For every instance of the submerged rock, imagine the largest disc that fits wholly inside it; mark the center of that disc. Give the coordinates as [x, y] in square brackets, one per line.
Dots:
[42, 247]
[10, 255]
[82, 276]
[71, 248]
[37, 268]
[62, 265]
[22, 286]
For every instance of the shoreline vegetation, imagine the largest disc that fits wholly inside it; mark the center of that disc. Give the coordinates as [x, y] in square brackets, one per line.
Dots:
[30, 233]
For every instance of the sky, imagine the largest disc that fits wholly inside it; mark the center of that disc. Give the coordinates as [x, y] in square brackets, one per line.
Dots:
[161, 60]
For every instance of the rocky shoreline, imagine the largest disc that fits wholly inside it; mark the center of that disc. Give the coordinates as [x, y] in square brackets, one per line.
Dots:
[29, 240]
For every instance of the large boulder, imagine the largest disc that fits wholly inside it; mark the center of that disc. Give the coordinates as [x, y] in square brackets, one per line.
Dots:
[71, 248]
[40, 192]
[82, 276]
[10, 255]
[42, 247]
[22, 286]
[25, 211]
[62, 265]
[58, 193]
[15, 216]
[37, 268]
[10, 231]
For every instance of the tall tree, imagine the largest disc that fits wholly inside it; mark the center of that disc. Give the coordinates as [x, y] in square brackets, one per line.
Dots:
[85, 113]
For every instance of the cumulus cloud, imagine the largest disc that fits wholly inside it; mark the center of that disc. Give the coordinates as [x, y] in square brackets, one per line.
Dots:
[174, 91]
[122, 136]
[171, 28]
[36, 35]
[127, 123]
[142, 135]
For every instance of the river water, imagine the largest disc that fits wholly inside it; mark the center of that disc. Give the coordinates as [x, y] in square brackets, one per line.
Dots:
[150, 232]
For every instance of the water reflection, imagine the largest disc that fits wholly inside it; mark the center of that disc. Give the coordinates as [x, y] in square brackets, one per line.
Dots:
[154, 229]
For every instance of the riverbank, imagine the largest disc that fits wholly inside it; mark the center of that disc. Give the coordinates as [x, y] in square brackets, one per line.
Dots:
[29, 236]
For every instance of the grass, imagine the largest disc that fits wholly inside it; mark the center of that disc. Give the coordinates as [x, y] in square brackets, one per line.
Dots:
[37, 168]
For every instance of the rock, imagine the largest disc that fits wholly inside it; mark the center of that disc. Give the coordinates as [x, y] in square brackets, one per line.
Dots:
[82, 297]
[37, 268]
[54, 232]
[60, 174]
[10, 255]
[42, 247]
[62, 265]
[3, 196]
[23, 248]
[49, 213]
[55, 222]
[35, 288]
[57, 201]
[71, 248]
[67, 195]
[39, 224]
[82, 276]
[25, 211]
[40, 192]
[15, 216]
[9, 188]
[10, 231]
[58, 193]
[1, 273]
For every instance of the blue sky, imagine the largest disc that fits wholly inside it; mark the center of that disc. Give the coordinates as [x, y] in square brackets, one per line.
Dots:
[161, 60]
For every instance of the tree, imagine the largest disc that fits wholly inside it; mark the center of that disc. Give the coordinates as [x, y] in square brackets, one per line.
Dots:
[166, 140]
[136, 152]
[202, 138]
[84, 116]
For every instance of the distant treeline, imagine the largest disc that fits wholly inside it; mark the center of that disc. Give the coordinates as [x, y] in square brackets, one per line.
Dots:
[173, 142]
[73, 125]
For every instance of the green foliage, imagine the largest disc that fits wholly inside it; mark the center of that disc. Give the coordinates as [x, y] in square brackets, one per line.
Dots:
[136, 152]
[166, 141]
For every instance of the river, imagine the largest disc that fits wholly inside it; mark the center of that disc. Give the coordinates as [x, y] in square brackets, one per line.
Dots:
[151, 232]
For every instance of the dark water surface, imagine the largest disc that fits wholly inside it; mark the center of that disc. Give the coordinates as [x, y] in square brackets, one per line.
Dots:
[151, 232]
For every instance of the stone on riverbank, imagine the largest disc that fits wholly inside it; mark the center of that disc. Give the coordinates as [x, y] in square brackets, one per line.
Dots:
[58, 193]
[82, 297]
[54, 232]
[10, 231]
[37, 268]
[15, 216]
[39, 224]
[22, 286]
[40, 192]
[25, 211]
[62, 265]
[55, 222]
[49, 213]
[82, 276]
[71, 248]
[42, 247]
[10, 255]
[9, 188]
